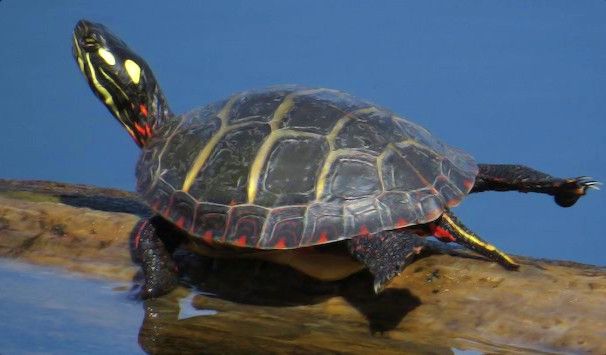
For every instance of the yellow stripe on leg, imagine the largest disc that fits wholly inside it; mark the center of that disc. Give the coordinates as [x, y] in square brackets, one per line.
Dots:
[478, 243]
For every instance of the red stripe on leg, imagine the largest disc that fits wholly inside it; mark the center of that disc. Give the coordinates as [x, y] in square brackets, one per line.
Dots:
[138, 234]
[442, 234]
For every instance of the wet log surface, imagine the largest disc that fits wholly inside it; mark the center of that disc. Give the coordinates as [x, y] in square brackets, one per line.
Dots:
[442, 301]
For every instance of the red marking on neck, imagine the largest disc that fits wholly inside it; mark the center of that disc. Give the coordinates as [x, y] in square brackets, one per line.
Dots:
[140, 129]
[441, 234]
[281, 244]
[143, 110]
[148, 131]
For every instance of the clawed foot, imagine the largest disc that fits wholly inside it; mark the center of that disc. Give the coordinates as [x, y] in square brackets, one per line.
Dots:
[572, 189]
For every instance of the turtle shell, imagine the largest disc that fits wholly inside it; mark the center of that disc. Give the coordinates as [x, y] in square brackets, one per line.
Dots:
[290, 167]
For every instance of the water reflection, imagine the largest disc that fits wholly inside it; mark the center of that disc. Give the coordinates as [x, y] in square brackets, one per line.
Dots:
[244, 310]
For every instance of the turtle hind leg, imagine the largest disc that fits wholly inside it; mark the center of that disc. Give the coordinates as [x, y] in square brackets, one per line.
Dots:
[386, 254]
[449, 229]
[505, 177]
[152, 249]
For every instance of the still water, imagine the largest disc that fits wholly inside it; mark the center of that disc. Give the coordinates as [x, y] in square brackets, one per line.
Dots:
[45, 311]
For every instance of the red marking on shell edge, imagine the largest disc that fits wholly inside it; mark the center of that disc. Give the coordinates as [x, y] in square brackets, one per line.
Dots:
[281, 244]
[468, 184]
[241, 241]
[323, 238]
[364, 230]
[401, 223]
[233, 202]
[442, 234]
[452, 201]
[143, 110]
[208, 237]
[180, 222]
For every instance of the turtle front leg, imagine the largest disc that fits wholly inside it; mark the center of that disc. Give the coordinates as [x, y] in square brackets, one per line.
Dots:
[506, 177]
[151, 248]
[386, 254]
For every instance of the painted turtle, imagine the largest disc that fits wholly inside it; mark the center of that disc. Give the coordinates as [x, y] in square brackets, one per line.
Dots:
[279, 171]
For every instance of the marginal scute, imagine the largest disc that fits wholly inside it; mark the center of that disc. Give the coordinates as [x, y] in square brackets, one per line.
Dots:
[326, 167]
[210, 220]
[182, 209]
[246, 224]
[396, 208]
[361, 217]
[158, 197]
[284, 226]
[323, 221]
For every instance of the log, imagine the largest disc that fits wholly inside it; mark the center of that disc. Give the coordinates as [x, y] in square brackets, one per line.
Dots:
[449, 299]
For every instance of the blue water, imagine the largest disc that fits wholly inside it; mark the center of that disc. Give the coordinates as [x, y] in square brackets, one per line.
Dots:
[46, 311]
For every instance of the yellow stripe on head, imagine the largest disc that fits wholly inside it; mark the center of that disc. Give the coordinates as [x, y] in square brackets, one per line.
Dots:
[134, 70]
[107, 56]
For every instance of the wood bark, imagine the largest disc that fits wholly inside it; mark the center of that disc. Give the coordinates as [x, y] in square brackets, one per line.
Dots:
[444, 301]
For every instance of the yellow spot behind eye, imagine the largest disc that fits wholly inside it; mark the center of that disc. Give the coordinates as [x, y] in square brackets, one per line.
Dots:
[107, 56]
[133, 70]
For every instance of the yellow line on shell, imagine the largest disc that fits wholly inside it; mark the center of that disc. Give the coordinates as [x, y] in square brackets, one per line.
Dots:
[205, 153]
[286, 105]
[334, 154]
[330, 159]
[263, 155]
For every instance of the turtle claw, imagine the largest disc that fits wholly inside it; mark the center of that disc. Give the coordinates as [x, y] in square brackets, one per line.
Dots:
[571, 190]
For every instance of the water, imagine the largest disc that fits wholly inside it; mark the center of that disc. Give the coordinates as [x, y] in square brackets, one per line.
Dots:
[45, 311]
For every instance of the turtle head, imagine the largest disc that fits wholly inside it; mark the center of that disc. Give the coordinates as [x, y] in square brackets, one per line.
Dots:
[120, 79]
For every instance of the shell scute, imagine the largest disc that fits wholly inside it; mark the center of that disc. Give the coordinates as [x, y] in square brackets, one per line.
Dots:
[361, 216]
[283, 229]
[210, 221]
[289, 181]
[318, 111]
[323, 222]
[396, 208]
[224, 177]
[246, 224]
[354, 178]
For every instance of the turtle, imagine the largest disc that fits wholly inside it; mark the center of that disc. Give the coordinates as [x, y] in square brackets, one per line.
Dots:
[288, 172]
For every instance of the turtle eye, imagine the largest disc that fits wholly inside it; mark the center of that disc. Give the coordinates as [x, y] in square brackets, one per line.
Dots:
[90, 44]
